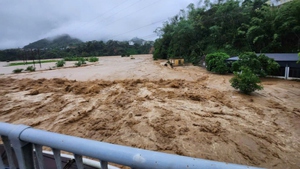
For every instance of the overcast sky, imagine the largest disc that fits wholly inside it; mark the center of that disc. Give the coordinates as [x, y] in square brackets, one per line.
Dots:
[25, 21]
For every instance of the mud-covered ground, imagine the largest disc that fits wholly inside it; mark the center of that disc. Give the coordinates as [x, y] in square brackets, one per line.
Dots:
[189, 112]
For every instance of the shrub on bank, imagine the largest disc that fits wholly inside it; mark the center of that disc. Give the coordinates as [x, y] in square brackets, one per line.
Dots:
[93, 59]
[17, 70]
[60, 63]
[30, 69]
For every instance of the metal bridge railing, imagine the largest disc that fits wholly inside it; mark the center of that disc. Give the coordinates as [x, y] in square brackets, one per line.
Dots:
[25, 141]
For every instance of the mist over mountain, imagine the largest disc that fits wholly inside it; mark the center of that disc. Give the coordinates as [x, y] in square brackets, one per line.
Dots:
[60, 41]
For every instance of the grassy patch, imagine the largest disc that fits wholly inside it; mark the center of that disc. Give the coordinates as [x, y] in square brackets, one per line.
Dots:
[29, 62]
[74, 58]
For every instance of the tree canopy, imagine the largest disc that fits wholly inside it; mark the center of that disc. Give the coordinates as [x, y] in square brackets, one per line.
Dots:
[216, 62]
[260, 65]
[231, 26]
[246, 81]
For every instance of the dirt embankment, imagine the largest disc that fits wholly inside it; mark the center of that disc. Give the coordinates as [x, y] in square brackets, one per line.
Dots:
[191, 118]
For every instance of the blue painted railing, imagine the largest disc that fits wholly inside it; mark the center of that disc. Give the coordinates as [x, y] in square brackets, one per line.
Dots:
[25, 141]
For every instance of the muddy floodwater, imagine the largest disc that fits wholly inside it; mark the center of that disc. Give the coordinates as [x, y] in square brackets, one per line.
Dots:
[141, 103]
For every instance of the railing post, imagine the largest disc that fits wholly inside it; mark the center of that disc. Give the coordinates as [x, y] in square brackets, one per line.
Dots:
[1, 163]
[39, 155]
[57, 158]
[78, 160]
[9, 153]
[23, 150]
[104, 164]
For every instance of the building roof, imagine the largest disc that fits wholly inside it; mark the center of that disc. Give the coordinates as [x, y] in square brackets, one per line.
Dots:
[292, 57]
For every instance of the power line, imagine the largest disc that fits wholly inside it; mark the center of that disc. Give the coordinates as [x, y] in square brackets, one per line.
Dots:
[149, 36]
[139, 28]
[102, 14]
[114, 14]
[126, 15]
[132, 13]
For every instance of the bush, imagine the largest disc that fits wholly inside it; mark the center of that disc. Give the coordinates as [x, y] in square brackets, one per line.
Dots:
[60, 63]
[30, 69]
[123, 55]
[94, 59]
[78, 63]
[216, 62]
[82, 60]
[245, 81]
[17, 70]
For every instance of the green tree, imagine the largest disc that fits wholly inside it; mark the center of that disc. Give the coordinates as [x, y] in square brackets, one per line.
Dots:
[216, 62]
[246, 81]
[268, 65]
[231, 27]
[260, 65]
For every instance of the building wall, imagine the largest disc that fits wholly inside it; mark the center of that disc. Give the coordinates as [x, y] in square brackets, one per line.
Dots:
[294, 69]
[177, 62]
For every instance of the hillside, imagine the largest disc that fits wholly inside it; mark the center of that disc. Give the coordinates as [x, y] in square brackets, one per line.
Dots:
[56, 42]
[232, 27]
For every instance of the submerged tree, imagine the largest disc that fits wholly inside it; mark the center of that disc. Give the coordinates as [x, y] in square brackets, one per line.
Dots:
[245, 81]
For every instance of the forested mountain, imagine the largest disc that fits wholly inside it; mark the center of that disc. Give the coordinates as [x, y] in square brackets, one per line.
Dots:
[231, 26]
[90, 48]
[61, 41]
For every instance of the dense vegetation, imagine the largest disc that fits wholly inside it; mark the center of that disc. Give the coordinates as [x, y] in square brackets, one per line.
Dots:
[231, 26]
[260, 65]
[249, 68]
[216, 62]
[67, 49]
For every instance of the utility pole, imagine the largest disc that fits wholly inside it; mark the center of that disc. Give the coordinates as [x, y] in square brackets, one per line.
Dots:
[26, 55]
[38, 53]
[32, 55]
